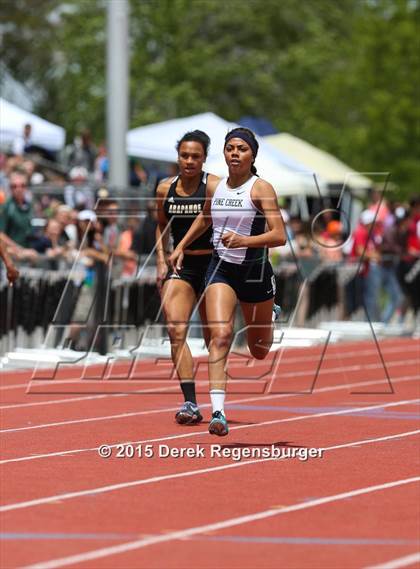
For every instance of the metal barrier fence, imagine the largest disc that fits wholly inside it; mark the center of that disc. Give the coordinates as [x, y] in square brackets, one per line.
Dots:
[41, 298]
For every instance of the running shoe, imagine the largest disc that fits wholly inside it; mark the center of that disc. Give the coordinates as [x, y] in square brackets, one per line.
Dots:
[218, 424]
[189, 414]
[276, 312]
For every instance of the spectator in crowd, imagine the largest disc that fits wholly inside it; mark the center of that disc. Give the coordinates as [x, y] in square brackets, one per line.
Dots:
[144, 239]
[64, 216]
[329, 242]
[303, 248]
[50, 204]
[107, 212]
[91, 251]
[303, 243]
[392, 248]
[23, 143]
[74, 153]
[390, 219]
[101, 165]
[48, 239]
[82, 152]
[277, 254]
[16, 215]
[137, 174]
[409, 267]
[89, 149]
[78, 193]
[35, 177]
[295, 226]
[413, 237]
[52, 244]
[366, 249]
[379, 207]
[124, 250]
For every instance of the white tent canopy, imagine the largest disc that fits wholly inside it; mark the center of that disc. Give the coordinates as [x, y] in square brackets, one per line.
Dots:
[158, 141]
[44, 134]
[324, 165]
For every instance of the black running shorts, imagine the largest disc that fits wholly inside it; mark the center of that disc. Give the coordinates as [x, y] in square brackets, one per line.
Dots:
[254, 282]
[193, 271]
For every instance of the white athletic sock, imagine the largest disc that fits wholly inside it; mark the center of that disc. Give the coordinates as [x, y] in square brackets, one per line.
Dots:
[217, 397]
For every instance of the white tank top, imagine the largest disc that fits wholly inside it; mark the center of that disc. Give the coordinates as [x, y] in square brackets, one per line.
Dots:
[233, 210]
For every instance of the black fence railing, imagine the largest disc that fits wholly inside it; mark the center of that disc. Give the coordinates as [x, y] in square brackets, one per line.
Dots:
[42, 297]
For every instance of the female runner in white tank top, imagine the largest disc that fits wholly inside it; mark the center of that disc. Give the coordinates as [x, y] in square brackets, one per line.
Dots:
[240, 208]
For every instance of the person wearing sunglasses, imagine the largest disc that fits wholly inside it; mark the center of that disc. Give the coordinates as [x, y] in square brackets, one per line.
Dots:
[15, 219]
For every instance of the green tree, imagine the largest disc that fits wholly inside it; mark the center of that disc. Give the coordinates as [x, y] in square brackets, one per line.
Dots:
[342, 75]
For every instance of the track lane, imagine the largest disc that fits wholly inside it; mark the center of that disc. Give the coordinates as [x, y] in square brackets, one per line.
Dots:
[86, 470]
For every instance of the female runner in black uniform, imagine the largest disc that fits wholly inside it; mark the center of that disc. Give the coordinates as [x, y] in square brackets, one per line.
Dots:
[240, 209]
[180, 200]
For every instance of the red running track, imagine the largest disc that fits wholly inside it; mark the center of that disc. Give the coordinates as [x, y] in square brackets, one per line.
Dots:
[356, 506]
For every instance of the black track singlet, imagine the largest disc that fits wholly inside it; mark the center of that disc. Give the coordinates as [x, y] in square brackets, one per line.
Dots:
[181, 212]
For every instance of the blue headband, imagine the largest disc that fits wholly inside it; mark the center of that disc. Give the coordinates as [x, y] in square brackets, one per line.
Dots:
[244, 136]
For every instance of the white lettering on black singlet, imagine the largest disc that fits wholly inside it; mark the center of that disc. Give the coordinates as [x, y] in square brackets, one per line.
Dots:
[188, 209]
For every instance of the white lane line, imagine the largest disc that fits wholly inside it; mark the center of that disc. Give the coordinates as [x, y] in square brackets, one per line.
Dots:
[128, 414]
[199, 382]
[57, 401]
[405, 561]
[248, 426]
[369, 441]
[125, 485]
[188, 473]
[113, 382]
[240, 363]
[87, 397]
[17, 386]
[341, 369]
[92, 419]
[217, 526]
